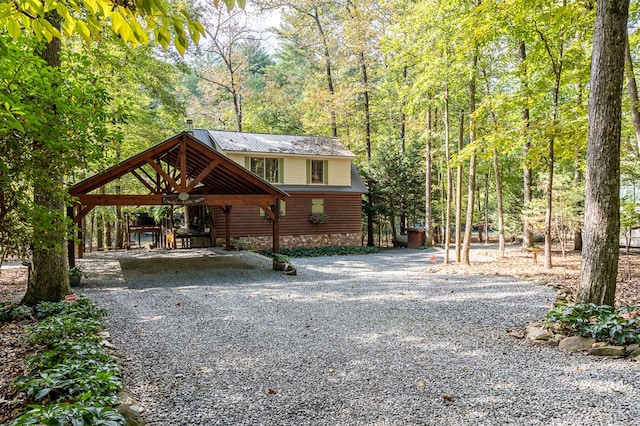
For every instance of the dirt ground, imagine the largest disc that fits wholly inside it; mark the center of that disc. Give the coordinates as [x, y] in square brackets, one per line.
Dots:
[515, 263]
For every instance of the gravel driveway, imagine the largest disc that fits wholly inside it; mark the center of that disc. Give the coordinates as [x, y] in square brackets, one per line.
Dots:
[212, 338]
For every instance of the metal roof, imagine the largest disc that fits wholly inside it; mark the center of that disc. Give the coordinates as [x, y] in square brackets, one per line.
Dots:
[218, 174]
[226, 141]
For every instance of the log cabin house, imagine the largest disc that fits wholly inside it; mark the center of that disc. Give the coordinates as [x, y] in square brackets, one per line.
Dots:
[324, 206]
[261, 190]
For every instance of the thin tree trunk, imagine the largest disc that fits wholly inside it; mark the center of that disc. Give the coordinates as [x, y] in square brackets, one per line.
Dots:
[632, 89]
[486, 209]
[602, 194]
[466, 247]
[458, 201]
[556, 65]
[447, 226]
[328, 71]
[428, 222]
[527, 235]
[367, 129]
[496, 171]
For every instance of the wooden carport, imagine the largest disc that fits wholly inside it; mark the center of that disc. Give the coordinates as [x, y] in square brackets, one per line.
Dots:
[179, 171]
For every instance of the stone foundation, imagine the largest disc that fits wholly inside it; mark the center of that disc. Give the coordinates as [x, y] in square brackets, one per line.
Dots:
[294, 241]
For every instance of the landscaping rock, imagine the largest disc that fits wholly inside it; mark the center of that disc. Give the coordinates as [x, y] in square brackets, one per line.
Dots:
[635, 355]
[608, 351]
[537, 333]
[129, 408]
[576, 343]
[633, 347]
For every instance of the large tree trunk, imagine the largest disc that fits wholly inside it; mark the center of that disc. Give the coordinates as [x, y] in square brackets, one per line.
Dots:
[602, 196]
[49, 281]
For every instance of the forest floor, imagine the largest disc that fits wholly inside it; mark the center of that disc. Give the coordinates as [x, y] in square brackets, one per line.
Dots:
[515, 263]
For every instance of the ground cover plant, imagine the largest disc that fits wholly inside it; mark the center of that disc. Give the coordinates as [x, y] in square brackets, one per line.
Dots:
[619, 326]
[322, 251]
[73, 380]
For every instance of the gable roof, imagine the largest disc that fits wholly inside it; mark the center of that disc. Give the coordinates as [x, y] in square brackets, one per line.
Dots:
[181, 164]
[227, 141]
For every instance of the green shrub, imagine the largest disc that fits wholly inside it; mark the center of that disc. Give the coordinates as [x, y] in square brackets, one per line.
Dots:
[69, 414]
[601, 322]
[75, 381]
[11, 312]
[323, 251]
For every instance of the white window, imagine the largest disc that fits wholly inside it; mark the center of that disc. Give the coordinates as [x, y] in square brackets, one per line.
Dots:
[269, 169]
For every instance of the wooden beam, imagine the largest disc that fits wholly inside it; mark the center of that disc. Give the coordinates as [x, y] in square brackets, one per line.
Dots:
[123, 168]
[144, 182]
[71, 247]
[172, 183]
[227, 227]
[203, 174]
[156, 200]
[183, 164]
[267, 210]
[275, 235]
[83, 209]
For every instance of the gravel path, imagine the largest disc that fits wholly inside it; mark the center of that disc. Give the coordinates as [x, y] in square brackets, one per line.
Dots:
[215, 338]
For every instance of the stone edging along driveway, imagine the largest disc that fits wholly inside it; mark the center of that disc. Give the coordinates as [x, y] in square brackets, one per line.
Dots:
[210, 337]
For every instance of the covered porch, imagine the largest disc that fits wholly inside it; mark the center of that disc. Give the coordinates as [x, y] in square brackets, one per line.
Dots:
[181, 171]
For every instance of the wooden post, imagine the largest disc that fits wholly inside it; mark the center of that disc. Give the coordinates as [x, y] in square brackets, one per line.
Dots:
[212, 229]
[80, 242]
[227, 227]
[71, 252]
[276, 227]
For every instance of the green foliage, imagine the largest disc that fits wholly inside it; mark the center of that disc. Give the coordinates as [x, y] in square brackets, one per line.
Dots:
[318, 218]
[280, 258]
[75, 271]
[63, 414]
[602, 322]
[323, 251]
[10, 312]
[75, 380]
[131, 21]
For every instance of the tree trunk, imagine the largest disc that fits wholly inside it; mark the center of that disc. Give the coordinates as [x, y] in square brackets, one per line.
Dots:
[458, 201]
[602, 195]
[527, 235]
[428, 221]
[486, 209]
[557, 68]
[49, 281]
[632, 88]
[328, 72]
[496, 170]
[466, 247]
[447, 225]
[106, 227]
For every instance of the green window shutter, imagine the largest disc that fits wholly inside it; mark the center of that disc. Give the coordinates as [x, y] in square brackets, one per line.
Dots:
[281, 170]
[325, 172]
[247, 163]
[308, 172]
